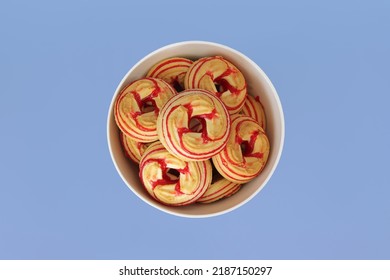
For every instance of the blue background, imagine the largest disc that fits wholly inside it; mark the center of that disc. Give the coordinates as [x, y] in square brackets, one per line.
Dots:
[61, 197]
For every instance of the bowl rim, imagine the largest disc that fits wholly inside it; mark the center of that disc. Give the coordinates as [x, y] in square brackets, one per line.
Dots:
[269, 84]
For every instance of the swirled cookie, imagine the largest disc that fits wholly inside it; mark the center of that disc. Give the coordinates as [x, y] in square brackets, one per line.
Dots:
[138, 105]
[173, 181]
[220, 189]
[200, 143]
[133, 149]
[172, 70]
[246, 152]
[254, 109]
[222, 78]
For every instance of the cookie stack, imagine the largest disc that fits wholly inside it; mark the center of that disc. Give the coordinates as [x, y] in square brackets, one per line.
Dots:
[195, 132]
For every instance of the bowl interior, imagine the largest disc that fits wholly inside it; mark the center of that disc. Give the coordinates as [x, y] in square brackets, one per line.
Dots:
[258, 85]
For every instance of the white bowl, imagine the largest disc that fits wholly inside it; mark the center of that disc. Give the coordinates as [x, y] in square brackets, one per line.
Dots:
[257, 83]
